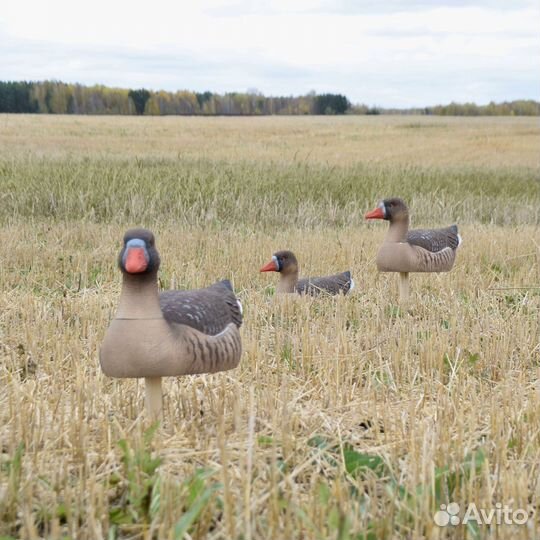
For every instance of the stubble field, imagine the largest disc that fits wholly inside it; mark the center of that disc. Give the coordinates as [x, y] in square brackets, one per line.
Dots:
[348, 418]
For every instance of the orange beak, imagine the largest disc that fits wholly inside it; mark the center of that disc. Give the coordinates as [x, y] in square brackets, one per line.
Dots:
[269, 267]
[136, 260]
[375, 214]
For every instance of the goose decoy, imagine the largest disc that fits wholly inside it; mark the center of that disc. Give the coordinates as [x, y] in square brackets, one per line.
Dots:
[286, 264]
[420, 250]
[174, 333]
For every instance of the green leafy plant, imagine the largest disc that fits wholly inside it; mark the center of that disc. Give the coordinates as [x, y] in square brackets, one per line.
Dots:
[142, 486]
[198, 495]
[358, 463]
[141, 500]
[10, 501]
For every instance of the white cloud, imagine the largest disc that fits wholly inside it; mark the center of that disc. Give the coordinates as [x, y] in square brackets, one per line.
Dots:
[390, 53]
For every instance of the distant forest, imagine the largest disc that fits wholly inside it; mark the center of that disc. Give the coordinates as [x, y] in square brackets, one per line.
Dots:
[55, 97]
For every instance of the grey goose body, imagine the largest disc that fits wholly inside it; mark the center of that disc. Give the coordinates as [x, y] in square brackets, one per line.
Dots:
[208, 310]
[336, 284]
[419, 250]
[435, 240]
[285, 263]
[172, 333]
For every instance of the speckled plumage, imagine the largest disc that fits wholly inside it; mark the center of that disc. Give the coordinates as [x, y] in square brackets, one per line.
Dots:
[434, 239]
[208, 310]
[336, 284]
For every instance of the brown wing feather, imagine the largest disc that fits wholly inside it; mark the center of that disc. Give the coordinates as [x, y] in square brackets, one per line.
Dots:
[208, 310]
[338, 283]
[434, 240]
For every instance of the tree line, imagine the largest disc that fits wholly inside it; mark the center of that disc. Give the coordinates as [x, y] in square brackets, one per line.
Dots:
[55, 97]
[520, 107]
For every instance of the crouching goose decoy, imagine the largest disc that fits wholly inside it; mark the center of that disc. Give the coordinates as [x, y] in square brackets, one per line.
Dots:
[169, 334]
[420, 250]
[286, 264]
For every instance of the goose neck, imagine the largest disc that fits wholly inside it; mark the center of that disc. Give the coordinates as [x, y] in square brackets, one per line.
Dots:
[287, 282]
[397, 232]
[139, 298]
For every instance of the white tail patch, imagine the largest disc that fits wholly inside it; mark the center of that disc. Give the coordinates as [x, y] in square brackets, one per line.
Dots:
[219, 334]
[240, 306]
[460, 240]
[353, 285]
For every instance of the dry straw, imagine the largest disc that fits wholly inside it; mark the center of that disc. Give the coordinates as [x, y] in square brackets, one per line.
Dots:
[347, 418]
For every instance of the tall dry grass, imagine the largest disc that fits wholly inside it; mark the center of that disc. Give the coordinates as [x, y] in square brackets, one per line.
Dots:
[348, 418]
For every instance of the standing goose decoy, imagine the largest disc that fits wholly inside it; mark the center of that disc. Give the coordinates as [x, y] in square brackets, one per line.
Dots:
[420, 250]
[169, 334]
[286, 264]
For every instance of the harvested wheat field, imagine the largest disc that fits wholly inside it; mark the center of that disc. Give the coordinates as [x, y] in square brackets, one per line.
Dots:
[347, 418]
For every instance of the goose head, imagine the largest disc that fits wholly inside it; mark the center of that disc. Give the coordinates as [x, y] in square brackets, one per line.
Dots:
[392, 210]
[139, 254]
[283, 262]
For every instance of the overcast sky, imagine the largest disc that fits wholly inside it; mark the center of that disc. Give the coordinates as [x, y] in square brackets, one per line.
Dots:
[380, 52]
